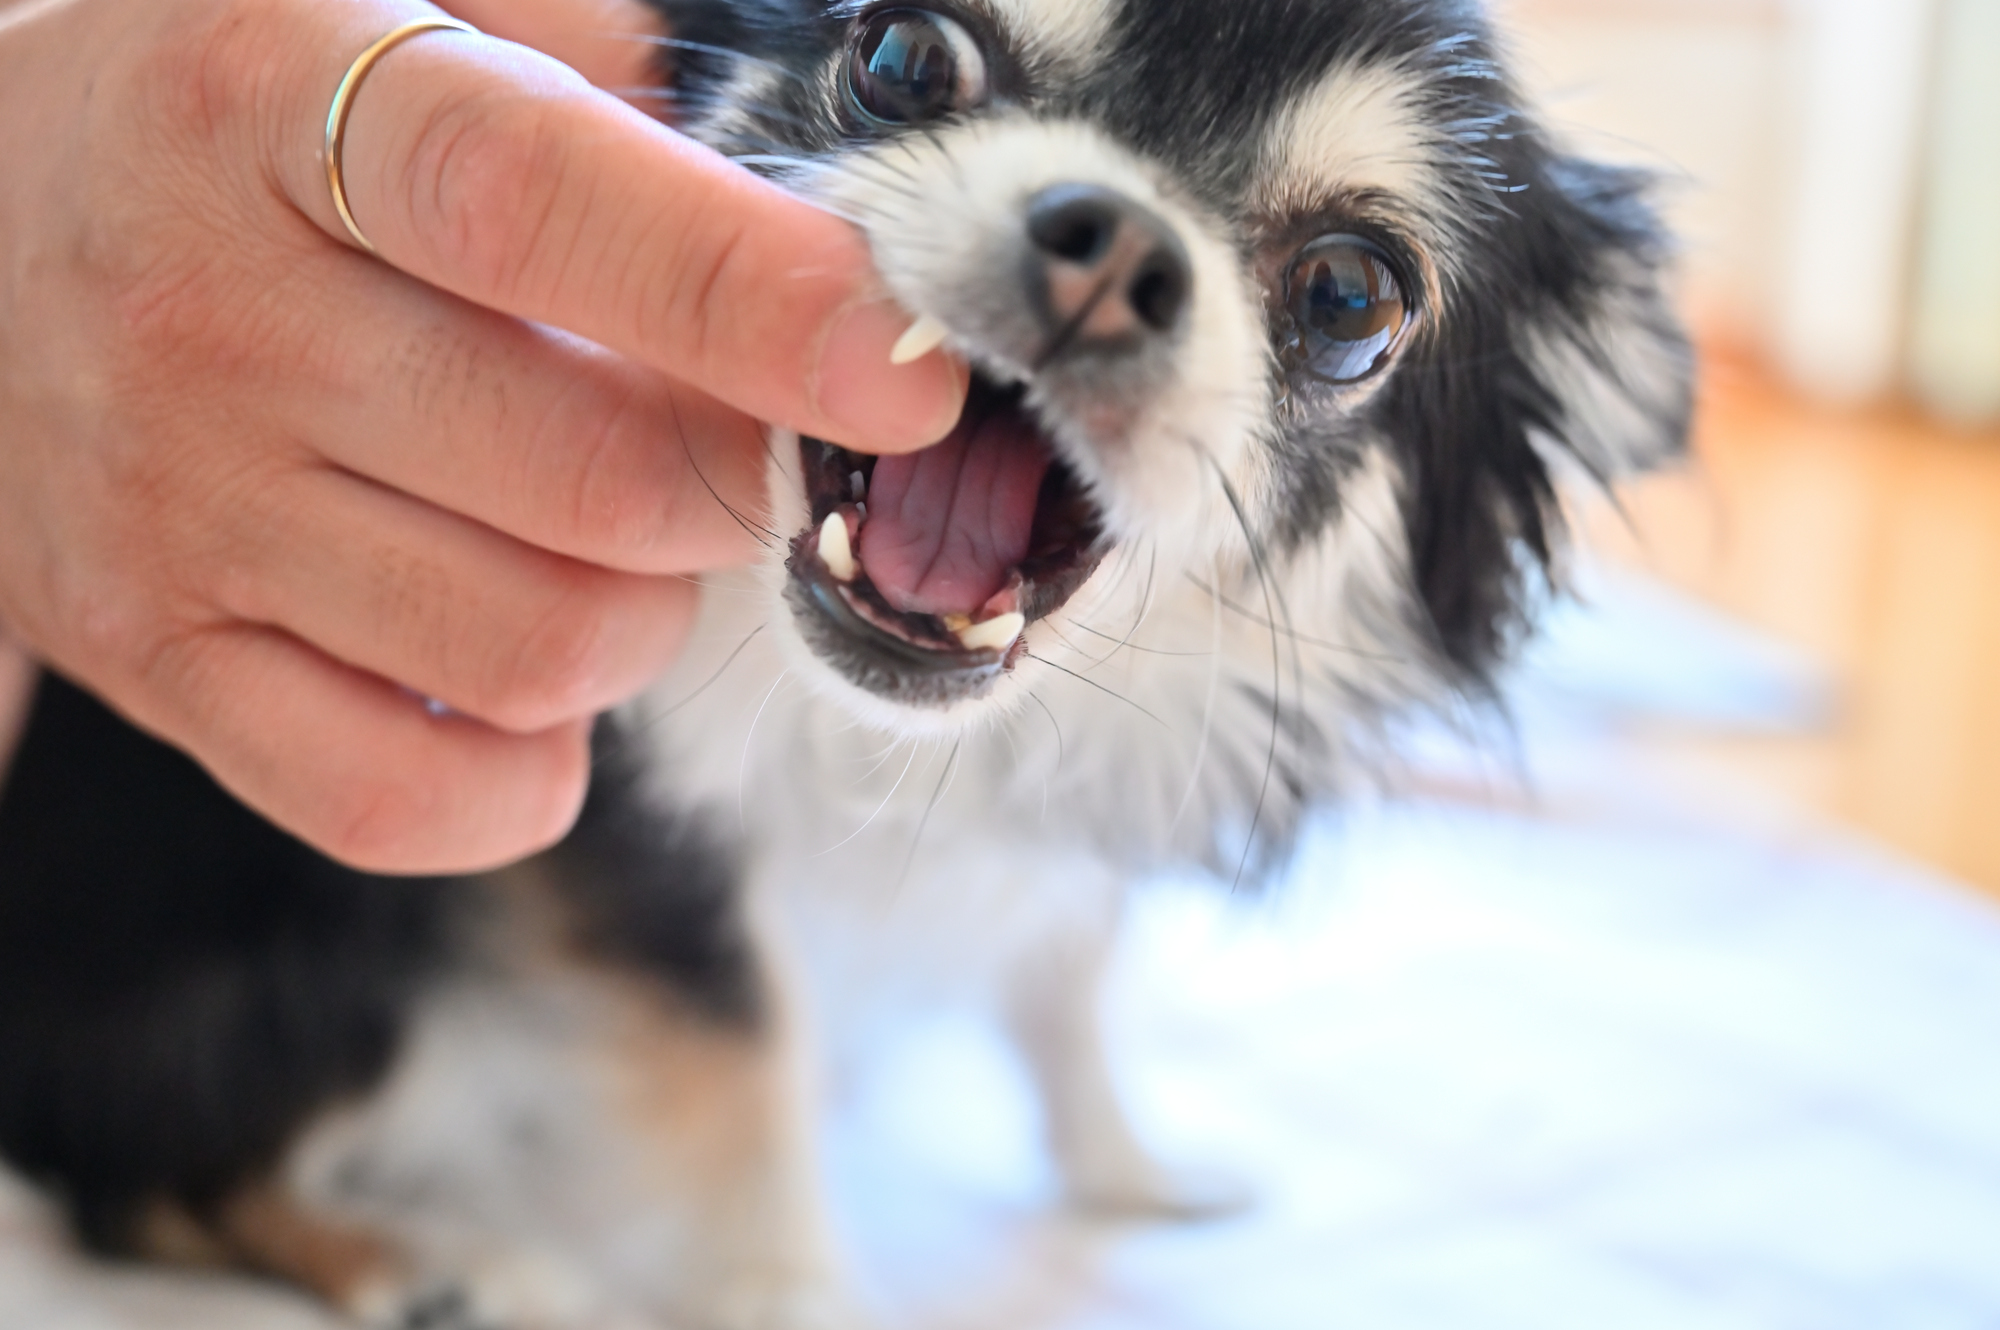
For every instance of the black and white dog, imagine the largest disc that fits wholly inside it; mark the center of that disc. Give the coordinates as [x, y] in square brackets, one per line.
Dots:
[1286, 320]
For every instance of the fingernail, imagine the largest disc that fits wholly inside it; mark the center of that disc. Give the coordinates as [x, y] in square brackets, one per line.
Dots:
[876, 402]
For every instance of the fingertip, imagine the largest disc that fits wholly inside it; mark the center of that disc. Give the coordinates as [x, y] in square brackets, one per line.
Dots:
[503, 798]
[353, 765]
[873, 403]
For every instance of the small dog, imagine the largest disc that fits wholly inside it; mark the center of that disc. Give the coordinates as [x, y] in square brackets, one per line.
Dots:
[1285, 319]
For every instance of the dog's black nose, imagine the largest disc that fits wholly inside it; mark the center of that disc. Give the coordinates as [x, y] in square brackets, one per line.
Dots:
[1112, 273]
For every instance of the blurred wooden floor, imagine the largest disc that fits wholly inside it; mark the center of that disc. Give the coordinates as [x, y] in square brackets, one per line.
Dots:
[1873, 540]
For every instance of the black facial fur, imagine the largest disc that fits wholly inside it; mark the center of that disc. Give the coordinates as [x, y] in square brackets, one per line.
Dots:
[1537, 240]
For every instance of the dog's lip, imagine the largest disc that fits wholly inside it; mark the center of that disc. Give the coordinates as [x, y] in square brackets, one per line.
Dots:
[921, 643]
[1068, 545]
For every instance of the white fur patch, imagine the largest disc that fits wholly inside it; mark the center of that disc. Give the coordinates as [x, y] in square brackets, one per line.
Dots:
[1362, 127]
[1365, 129]
[1066, 33]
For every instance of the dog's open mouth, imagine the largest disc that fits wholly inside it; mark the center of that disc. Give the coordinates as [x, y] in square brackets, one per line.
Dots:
[920, 572]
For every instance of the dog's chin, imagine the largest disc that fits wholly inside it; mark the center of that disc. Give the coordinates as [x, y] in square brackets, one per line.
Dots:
[1008, 534]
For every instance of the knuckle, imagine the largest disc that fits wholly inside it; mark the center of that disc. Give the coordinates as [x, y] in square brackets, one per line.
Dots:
[681, 307]
[199, 319]
[617, 504]
[120, 632]
[556, 666]
[206, 76]
[485, 172]
[225, 87]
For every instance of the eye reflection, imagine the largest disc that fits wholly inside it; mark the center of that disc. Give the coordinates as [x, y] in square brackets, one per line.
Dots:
[1348, 305]
[910, 66]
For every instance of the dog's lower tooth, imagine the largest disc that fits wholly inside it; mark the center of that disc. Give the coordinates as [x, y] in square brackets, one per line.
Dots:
[924, 336]
[994, 634]
[834, 550]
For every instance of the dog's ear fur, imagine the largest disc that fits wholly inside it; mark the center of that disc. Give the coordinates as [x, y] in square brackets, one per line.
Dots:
[1556, 352]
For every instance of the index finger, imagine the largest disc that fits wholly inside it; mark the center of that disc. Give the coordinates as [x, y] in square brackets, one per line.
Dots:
[493, 172]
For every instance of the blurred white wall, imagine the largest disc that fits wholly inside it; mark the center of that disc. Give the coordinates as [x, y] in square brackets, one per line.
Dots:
[1955, 334]
[1690, 88]
[1835, 169]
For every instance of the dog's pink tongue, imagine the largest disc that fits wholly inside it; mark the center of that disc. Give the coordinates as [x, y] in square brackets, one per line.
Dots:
[945, 525]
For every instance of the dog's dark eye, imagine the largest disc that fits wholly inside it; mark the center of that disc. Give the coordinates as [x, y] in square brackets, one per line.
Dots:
[910, 66]
[1348, 303]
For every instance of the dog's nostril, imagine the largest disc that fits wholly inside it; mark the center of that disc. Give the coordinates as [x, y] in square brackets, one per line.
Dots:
[1159, 291]
[1076, 227]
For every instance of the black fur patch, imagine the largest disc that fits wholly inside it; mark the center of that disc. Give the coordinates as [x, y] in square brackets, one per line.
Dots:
[1480, 507]
[181, 984]
[656, 891]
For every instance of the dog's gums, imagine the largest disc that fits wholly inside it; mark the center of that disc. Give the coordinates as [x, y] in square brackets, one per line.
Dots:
[918, 574]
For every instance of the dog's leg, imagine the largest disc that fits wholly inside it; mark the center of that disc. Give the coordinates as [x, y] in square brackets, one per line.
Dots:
[1054, 1013]
[695, 1043]
[372, 1274]
[727, 1142]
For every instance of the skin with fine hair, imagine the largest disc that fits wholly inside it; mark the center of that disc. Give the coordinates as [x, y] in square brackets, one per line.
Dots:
[267, 495]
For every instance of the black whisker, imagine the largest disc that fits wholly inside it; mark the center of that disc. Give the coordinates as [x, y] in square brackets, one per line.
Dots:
[757, 531]
[1053, 724]
[1257, 560]
[1111, 692]
[1067, 333]
[1145, 604]
[1296, 636]
[937, 793]
[648, 722]
[1126, 644]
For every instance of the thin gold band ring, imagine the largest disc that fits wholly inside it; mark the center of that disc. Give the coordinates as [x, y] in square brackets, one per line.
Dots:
[343, 102]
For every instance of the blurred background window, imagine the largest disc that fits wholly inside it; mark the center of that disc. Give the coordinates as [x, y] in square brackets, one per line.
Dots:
[1834, 169]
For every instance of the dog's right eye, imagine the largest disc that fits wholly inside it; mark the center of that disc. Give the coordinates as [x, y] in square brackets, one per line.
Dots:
[1348, 306]
[911, 66]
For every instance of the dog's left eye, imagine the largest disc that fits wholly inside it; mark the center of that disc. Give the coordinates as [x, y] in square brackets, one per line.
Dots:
[910, 66]
[1348, 305]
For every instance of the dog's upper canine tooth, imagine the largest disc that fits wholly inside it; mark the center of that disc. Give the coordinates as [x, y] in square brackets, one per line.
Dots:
[835, 551]
[857, 486]
[923, 337]
[994, 634]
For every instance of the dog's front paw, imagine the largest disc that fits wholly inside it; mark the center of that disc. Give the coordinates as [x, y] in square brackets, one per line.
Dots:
[1144, 1190]
[431, 1304]
[774, 1305]
[438, 1306]
[517, 1293]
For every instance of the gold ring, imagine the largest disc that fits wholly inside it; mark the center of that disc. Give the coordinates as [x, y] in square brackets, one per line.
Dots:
[343, 102]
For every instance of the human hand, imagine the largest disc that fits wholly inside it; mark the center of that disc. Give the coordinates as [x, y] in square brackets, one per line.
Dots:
[264, 493]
